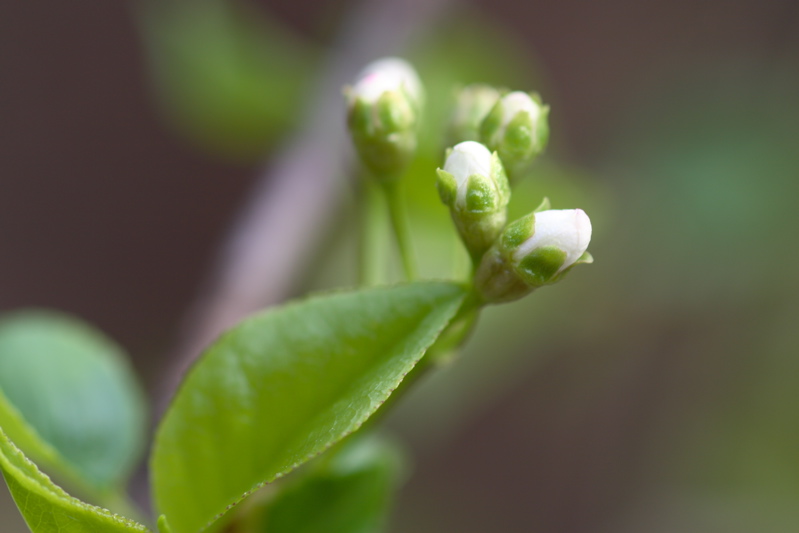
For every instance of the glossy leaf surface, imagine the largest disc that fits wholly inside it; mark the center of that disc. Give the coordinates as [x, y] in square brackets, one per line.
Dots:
[71, 400]
[48, 509]
[283, 386]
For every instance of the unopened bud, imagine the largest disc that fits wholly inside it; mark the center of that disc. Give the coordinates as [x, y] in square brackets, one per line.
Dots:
[517, 129]
[474, 186]
[382, 115]
[536, 250]
[473, 103]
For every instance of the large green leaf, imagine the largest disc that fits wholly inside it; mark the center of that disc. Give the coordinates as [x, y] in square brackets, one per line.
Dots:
[349, 492]
[68, 397]
[48, 509]
[283, 386]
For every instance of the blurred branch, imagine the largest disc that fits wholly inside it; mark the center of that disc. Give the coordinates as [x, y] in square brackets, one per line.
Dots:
[297, 193]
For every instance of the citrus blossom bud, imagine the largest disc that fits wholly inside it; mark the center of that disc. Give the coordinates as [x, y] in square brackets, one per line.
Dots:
[474, 186]
[517, 128]
[473, 103]
[536, 250]
[382, 115]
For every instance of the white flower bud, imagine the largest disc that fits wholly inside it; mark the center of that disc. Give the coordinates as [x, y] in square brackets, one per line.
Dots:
[382, 115]
[517, 129]
[387, 74]
[474, 186]
[513, 103]
[472, 104]
[536, 250]
[466, 159]
[568, 230]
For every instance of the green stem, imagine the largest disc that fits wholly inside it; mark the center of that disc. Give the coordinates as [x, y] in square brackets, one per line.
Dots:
[372, 267]
[402, 231]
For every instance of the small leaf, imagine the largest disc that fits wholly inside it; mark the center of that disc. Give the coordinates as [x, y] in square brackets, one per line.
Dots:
[349, 493]
[69, 398]
[283, 386]
[48, 509]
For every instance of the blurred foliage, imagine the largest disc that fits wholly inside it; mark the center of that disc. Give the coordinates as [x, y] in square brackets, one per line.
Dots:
[228, 77]
[74, 401]
[709, 169]
[349, 489]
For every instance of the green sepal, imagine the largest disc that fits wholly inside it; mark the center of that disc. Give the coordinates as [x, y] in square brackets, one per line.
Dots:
[481, 196]
[447, 187]
[543, 206]
[519, 141]
[496, 281]
[489, 129]
[384, 133]
[395, 112]
[542, 131]
[500, 179]
[585, 259]
[540, 266]
[416, 102]
[359, 118]
[517, 232]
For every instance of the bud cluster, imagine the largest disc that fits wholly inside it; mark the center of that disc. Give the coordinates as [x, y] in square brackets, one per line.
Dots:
[517, 128]
[495, 135]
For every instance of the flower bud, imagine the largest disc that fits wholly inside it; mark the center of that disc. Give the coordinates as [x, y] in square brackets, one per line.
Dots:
[536, 250]
[474, 186]
[517, 129]
[382, 115]
[473, 103]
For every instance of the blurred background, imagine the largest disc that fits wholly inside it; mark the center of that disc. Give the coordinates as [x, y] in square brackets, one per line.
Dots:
[655, 391]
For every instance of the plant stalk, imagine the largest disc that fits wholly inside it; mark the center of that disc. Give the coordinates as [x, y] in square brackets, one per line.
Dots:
[372, 260]
[401, 225]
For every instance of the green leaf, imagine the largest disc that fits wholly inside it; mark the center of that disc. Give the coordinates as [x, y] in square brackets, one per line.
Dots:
[349, 493]
[69, 398]
[283, 386]
[48, 509]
